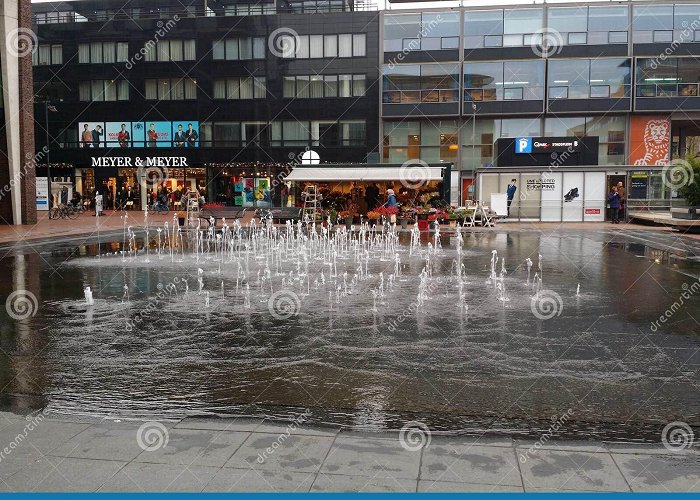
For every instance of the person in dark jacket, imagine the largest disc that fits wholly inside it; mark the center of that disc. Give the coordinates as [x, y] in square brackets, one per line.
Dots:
[510, 193]
[614, 200]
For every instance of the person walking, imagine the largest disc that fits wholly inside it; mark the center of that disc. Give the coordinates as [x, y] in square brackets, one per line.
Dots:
[623, 201]
[390, 199]
[510, 193]
[614, 200]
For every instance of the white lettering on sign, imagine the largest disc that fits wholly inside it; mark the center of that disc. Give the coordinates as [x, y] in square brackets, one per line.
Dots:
[540, 184]
[151, 161]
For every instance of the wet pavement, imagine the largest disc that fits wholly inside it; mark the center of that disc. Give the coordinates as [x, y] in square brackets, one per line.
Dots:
[220, 455]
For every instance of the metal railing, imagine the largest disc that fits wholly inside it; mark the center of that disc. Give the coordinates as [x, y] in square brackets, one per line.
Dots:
[668, 89]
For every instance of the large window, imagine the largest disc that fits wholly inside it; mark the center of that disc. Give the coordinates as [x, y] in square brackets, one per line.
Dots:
[104, 90]
[319, 133]
[325, 46]
[589, 25]
[610, 131]
[318, 86]
[432, 140]
[665, 23]
[502, 28]
[588, 78]
[103, 52]
[479, 138]
[422, 31]
[671, 77]
[46, 55]
[240, 88]
[171, 89]
[170, 50]
[504, 81]
[239, 49]
[416, 83]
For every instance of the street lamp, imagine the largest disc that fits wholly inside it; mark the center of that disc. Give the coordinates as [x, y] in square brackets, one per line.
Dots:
[48, 107]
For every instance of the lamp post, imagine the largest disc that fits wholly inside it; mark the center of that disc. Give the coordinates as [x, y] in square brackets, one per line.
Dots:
[48, 107]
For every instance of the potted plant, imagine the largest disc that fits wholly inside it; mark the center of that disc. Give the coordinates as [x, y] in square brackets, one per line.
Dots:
[388, 212]
[348, 216]
[373, 215]
[690, 190]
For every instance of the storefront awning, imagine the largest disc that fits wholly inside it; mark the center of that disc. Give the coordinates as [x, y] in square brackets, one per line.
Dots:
[366, 174]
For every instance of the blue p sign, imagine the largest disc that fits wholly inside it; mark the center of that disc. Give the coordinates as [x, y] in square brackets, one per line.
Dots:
[523, 144]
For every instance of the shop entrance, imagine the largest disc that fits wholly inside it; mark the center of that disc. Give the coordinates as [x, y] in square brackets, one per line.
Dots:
[107, 187]
[612, 180]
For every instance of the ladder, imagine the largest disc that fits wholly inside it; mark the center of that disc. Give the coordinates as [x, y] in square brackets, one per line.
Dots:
[192, 201]
[310, 203]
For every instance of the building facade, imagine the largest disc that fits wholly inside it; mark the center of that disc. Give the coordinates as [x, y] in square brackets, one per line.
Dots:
[219, 93]
[17, 155]
[455, 82]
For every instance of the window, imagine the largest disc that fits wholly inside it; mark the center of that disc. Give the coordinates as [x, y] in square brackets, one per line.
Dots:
[103, 90]
[46, 55]
[318, 86]
[103, 52]
[568, 19]
[167, 89]
[610, 131]
[240, 88]
[584, 78]
[483, 28]
[239, 49]
[170, 50]
[329, 46]
[432, 140]
[424, 31]
[415, 83]
[505, 80]
[324, 133]
[674, 76]
[652, 22]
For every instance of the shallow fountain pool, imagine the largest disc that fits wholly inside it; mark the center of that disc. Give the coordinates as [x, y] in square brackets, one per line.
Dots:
[369, 331]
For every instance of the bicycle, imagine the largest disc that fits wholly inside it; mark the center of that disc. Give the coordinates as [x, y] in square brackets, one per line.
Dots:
[160, 207]
[63, 212]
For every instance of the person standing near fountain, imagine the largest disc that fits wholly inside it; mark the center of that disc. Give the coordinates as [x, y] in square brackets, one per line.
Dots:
[614, 200]
[390, 199]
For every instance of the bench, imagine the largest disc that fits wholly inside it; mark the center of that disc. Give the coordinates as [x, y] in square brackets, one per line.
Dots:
[280, 214]
[220, 213]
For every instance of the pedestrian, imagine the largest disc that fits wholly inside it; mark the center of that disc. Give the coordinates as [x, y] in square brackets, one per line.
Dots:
[614, 200]
[510, 192]
[372, 196]
[623, 200]
[390, 199]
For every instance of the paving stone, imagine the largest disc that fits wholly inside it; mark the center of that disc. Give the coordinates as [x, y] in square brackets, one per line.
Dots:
[650, 449]
[458, 461]
[253, 480]
[568, 470]
[144, 477]
[372, 458]
[522, 446]
[196, 447]
[281, 452]
[296, 429]
[343, 483]
[219, 424]
[679, 473]
[37, 437]
[63, 474]
[102, 442]
[426, 485]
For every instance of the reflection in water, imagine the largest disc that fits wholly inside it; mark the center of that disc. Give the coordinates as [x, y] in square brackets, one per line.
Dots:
[348, 336]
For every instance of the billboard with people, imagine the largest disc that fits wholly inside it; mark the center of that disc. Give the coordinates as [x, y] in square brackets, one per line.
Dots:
[151, 134]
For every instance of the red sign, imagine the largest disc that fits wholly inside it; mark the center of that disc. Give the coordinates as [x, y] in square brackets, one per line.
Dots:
[592, 211]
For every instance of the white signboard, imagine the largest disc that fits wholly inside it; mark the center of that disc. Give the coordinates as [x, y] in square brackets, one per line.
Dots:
[42, 193]
[595, 197]
[499, 203]
[572, 199]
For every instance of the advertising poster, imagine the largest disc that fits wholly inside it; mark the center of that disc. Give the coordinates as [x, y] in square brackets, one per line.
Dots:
[158, 135]
[238, 201]
[572, 197]
[91, 134]
[248, 192]
[118, 134]
[138, 135]
[650, 140]
[262, 193]
[595, 197]
[185, 134]
[42, 193]
[238, 187]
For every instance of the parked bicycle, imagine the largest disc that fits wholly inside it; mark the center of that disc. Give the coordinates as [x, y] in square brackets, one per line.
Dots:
[63, 212]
